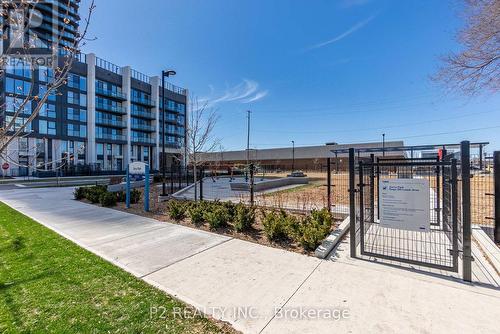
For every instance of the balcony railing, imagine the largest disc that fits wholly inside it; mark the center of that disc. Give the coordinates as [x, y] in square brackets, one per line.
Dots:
[109, 93]
[143, 101]
[110, 108]
[111, 122]
[110, 136]
[143, 114]
[143, 127]
[143, 140]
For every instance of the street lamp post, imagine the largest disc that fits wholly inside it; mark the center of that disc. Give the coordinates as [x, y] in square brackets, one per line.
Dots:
[293, 155]
[164, 74]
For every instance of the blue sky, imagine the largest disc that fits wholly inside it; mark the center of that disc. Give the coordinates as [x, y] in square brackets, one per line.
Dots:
[310, 71]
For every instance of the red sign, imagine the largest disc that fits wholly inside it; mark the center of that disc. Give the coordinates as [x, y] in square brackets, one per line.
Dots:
[5, 166]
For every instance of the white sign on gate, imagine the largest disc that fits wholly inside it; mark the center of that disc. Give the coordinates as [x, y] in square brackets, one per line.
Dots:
[137, 168]
[405, 204]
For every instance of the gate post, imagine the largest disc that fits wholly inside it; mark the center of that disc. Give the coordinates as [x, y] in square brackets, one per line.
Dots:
[496, 171]
[372, 188]
[352, 197]
[466, 214]
[329, 184]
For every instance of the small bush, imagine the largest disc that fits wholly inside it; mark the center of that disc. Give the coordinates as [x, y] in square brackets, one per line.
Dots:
[121, 196]
[216, 217]
[274, 225]
[195, 213]
[107, 199]
[79, 193]
[135, 196]
[176, 209]
[314, 229]
[231, 209]
[93, 193]
[244, 217]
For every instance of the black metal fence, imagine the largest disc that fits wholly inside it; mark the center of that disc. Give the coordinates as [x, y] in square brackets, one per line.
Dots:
[448, 235]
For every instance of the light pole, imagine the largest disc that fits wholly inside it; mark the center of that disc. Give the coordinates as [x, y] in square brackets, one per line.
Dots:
[293, 155]
[383, 144]
[164, 74]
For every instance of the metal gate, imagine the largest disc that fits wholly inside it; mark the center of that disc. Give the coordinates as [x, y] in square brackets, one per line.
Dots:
[444, 243]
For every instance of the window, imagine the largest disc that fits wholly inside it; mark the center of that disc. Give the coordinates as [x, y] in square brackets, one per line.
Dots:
[17, 67]
[75, 114]
[77, 98]
[19, 122]
[77, 82]
[77, 130]
[16, 86]
[42, 90]
[45, 74]
[48, 110]
[13, 104]
[100, 149]
[46, 127]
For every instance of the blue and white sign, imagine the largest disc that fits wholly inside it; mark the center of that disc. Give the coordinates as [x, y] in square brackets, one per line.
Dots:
[137, 168]
[405, 204]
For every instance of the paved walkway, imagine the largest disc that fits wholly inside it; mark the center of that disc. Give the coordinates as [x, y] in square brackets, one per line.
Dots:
[265, 290]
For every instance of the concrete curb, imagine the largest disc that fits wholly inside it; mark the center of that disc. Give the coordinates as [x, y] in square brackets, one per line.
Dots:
[488, 247]
[333, 239]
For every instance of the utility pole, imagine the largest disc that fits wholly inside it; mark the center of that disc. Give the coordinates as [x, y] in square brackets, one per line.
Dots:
[248, 142]
[248, 136]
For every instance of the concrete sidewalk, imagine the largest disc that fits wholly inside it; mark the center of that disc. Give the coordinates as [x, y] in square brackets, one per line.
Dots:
[260, 289]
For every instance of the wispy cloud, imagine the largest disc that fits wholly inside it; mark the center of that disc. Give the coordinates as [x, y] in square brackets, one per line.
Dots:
[245, 92]
[346, 33]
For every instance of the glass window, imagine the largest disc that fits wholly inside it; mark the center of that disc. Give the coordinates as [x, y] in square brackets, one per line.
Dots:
[16, 86]
[47, 127]
[48, 110]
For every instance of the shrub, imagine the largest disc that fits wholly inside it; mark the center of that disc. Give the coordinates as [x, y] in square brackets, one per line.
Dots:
[314, 229]
[217, 216]
[93, 193]
[135, 196]
[244, 217]
[176, 209]
[231, 209]
[107, 199]
[274, 225]
[79, 193]
[195, 213]
[121, 196]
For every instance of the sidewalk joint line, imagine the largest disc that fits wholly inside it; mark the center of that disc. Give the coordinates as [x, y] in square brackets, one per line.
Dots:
[127, 236]
[293, 294]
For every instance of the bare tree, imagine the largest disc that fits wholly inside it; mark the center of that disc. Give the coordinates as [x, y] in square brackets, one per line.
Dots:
[477, 67]
[20, 52]
[199, 134]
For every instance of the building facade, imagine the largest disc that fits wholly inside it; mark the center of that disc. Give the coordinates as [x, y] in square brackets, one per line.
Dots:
[104, 117]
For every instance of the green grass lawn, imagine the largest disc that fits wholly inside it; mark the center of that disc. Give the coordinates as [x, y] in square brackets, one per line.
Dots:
[50, 285]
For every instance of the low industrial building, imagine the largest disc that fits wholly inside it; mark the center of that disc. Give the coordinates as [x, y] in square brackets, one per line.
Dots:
[307, 158]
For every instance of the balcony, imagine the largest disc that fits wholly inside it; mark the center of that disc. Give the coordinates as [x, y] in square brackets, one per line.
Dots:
[143, 140]
[108, 93]
[143, 114]
[143, 127]
[110, 108]
[143, 101]
[111, 122]
[109, 136]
